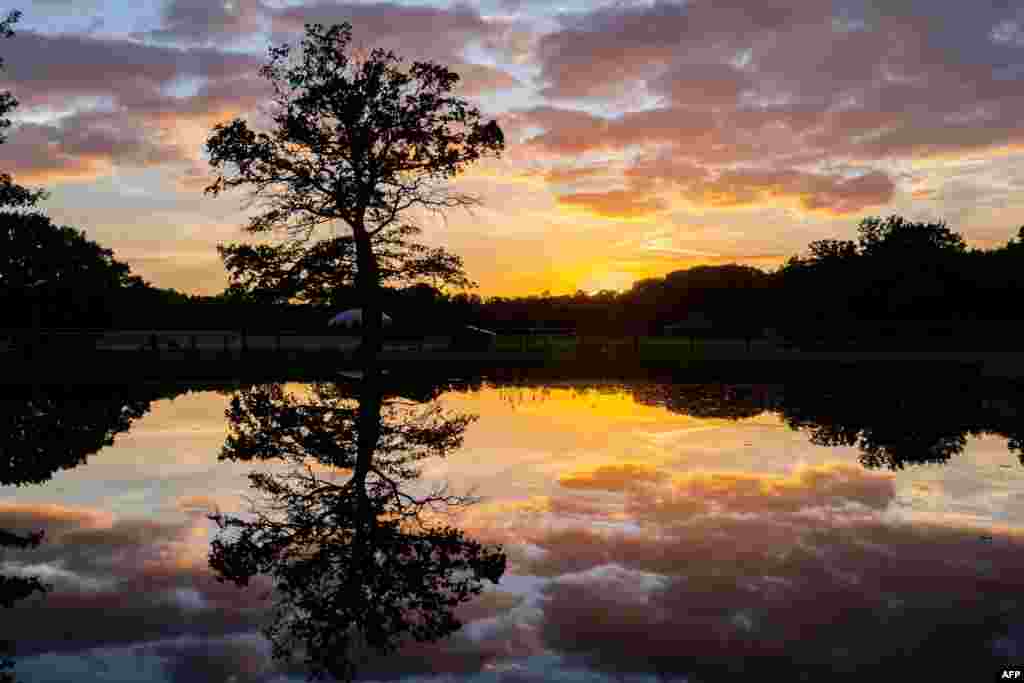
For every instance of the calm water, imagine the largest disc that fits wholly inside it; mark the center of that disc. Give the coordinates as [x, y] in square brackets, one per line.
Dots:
[647, 531]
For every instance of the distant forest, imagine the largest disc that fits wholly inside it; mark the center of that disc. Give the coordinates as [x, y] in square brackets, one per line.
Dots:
[912, 278]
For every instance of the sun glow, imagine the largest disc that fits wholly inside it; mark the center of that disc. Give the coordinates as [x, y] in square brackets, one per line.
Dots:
[617, 281]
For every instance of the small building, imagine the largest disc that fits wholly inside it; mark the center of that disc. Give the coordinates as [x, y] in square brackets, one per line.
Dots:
[353, 319]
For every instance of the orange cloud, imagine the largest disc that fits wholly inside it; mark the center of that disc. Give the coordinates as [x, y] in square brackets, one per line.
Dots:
[22, 517]
[574, 173]
[613, 477]
[614, 204]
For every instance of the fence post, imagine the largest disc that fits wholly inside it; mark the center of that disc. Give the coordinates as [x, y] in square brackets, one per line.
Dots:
[245, 340]
[278, 341]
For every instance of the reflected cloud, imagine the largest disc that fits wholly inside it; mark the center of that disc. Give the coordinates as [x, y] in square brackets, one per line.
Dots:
[122, 581]
[613, 477]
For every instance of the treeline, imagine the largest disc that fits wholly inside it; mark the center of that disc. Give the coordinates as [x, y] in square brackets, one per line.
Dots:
[898, 281]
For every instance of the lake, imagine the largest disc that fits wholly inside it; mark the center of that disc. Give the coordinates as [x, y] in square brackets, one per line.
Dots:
[525, 530]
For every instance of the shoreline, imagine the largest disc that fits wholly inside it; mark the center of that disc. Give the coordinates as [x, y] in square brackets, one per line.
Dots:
[114, 367]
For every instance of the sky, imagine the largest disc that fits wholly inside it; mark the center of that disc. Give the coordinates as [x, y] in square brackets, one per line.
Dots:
[641, 137]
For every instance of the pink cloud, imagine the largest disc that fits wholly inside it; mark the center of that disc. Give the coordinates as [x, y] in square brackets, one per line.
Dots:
[830, 194]
[790, 85]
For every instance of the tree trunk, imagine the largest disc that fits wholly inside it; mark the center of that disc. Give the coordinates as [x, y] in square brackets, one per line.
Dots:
[368, 291]
[368, 434]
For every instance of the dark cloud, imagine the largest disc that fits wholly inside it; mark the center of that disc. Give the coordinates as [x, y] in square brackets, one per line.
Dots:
[207, 21]
[48, 69]
[141, 122]
[825, 597]
[239, 659]
[413, 32]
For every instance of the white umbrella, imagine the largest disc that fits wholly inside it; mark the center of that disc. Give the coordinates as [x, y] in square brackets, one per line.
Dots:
[353, 317]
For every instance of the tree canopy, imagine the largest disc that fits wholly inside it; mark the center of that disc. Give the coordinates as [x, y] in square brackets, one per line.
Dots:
[319, 273]
[356, 141]
[73, 276]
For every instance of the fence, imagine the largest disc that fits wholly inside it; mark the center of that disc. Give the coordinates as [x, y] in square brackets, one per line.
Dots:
[81, 339]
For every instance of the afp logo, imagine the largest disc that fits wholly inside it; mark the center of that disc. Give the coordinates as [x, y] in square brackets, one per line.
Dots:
[1011, 675]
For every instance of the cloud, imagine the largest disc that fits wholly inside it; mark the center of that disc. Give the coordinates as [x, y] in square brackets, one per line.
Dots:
[782, 87]
[731, 568]
[400, 28]
[121, 582]
[829, 194]
[825, 597]
[612, 477]
[44, 68]
[139, 121]
[205, 21]
[702, 85]
[239, 659]
[614, 204]
[52, 518]
[606, 50]
[740, 492]
[682, 507]
[83, 147]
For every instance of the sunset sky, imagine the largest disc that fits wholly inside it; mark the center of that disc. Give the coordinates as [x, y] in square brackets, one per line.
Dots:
[641, 137]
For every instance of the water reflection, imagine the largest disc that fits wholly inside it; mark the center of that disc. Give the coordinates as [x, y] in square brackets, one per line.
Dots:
[47, 428]
[651, 530]
[892, 428]
[687, 567]
[361, 555]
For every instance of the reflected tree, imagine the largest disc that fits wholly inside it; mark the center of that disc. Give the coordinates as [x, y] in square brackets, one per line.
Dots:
[910, 425]
[721, 401]
[361, 553]
[53, 427]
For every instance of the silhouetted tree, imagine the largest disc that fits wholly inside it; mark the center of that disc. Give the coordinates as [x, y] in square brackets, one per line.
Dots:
[721, 401]
[358, 563]
[357, 141]
[320, 272]
[80, 279]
